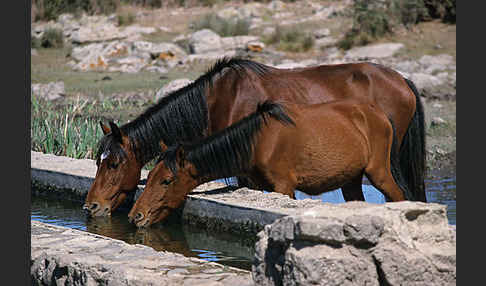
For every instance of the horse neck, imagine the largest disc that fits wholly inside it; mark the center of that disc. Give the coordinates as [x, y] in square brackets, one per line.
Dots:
[158, 125]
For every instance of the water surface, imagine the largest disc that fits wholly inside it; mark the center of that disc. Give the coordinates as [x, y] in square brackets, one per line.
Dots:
[191, 241]
[184, 239]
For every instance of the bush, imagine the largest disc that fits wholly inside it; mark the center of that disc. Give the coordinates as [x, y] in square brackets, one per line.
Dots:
[442, 9]
[52, 38]
[291, 39]
[125, 19]
[221, 26]
[373, 19]
[51, 9]
[35, 43]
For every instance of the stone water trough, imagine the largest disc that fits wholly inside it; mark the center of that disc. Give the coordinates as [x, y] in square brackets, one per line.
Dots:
[300, 242]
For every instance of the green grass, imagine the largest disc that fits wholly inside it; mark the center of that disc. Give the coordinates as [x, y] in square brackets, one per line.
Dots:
[50, 65]
[63, 133]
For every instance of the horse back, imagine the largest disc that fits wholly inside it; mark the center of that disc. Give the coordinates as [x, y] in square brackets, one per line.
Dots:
[330, 144]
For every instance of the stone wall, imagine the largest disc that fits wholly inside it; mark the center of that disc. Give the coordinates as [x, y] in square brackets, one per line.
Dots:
[358, 243]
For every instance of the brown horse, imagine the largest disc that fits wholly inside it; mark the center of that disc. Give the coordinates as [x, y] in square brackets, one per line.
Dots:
[231, 90]
[328, 146]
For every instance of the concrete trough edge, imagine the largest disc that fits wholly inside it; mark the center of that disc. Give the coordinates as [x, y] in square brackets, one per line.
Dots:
[197, 209]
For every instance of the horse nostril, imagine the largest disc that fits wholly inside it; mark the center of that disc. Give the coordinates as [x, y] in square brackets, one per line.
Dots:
[139, 216]
[94, 206]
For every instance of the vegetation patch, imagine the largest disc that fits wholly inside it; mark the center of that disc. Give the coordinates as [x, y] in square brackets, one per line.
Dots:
[52, 38]
[375, 19]
[125, 18]
[291, 39]
[221, 26]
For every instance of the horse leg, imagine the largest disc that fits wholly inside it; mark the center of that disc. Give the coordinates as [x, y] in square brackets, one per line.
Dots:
[285, 187]
[352, 191]
[242, 182]
[379, 173]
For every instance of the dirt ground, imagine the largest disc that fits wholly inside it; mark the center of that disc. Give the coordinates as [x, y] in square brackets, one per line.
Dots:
[429, 38]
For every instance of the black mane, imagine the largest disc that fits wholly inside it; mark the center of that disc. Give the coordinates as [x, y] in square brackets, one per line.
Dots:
[181, 116]
[228, 152]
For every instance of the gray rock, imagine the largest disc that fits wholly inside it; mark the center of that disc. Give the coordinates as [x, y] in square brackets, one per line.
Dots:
[49, 91]
[165, 51]
[321, 33]
[63, 256]
[237, 42]
[228, 13]
[374, 51]
[357, 243]
[172, 86]
[325, 42]
[423, 80]
[204, 41]
[438, 121]
[276, 5]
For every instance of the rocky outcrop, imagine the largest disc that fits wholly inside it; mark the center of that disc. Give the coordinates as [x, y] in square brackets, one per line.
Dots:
[357, 243]
[374, 51]
[49, 91]
[63, 256]
[126, 56]
[172, 86]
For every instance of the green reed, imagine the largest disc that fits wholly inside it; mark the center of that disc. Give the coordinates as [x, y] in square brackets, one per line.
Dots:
[62, 130]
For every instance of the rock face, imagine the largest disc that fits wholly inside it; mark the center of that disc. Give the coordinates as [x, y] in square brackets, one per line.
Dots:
[357, 243]
[63, 256]
[49, 91]
[172, 86]
[374, 51]
[126, 56]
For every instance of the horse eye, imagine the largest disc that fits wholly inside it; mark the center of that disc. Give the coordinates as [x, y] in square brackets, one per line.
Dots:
[113, 165]
[166, 182]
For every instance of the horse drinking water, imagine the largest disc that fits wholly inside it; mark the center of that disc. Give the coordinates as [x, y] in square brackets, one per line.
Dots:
[313, 148]
[229, 91]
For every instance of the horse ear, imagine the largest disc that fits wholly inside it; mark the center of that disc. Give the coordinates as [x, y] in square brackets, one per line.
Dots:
[105, 128]
[180, 156]
[115, 131]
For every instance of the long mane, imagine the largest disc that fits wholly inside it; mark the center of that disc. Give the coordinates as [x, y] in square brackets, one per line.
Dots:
[228, 152]
[181, 116]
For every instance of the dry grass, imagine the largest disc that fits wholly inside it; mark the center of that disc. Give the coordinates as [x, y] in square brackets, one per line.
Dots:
[428, 38]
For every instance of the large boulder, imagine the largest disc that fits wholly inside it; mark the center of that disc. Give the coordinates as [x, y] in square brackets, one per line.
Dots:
[49, 91]
[357, 243]
[172, 86]
[374, 51]
[204, 41]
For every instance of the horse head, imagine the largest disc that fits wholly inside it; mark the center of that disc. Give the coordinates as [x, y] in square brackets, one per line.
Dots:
[166, 189]
[118, 172]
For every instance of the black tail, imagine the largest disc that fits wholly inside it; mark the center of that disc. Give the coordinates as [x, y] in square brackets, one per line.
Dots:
[412, 151]
[396, 169]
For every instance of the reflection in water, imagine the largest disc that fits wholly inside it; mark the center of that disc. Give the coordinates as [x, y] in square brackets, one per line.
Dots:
[195, 242]
[186, 240]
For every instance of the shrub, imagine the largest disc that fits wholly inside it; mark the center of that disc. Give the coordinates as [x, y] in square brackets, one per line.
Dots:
[52, 38]
[125, 19]
[35, 43]
[51, 9]
[373, 19]
[291, 39]
[221, 26]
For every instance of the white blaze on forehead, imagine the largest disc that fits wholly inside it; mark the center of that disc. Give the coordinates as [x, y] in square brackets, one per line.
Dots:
[105, 154]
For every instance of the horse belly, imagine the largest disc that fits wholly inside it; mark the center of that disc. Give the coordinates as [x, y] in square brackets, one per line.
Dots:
[329, 158]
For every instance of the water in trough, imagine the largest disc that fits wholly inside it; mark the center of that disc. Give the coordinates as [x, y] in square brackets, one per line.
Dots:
[227, 249]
